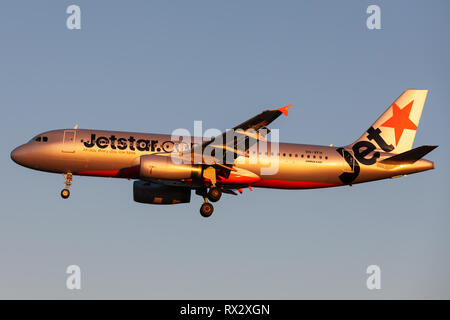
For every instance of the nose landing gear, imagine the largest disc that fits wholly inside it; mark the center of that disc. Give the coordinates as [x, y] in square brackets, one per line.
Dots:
[65, 193]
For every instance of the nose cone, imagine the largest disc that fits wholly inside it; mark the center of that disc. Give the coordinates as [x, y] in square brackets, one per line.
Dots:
[19, 154]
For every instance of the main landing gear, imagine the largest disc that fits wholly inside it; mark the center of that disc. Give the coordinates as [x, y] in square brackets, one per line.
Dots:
[65, 193]
[206, 209]
[213, 195]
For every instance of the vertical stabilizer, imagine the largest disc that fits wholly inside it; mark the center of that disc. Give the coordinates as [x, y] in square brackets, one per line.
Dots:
[396, 129]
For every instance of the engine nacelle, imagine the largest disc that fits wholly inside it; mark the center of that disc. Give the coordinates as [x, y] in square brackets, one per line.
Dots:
[148, 192]
[162, 167]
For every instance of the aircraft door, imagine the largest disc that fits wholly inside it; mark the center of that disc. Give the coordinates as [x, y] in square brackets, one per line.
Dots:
[69, 141]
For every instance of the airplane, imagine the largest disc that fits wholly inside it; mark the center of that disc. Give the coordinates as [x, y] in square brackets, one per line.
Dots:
[226, 165]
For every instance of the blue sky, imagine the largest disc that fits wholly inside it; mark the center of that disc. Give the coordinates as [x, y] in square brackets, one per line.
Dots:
[155, 66]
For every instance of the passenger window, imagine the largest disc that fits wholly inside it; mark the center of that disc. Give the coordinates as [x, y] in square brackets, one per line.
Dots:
[45, 139]
[38, 139]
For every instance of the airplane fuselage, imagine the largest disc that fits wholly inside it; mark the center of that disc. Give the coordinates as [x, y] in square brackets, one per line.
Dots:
[117, 154]
[166, 168]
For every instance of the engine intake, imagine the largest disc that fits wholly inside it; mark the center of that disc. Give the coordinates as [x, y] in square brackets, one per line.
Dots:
[162, 167]
[148, 192]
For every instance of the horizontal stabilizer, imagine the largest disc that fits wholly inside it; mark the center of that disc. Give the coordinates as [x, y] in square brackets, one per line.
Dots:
[409, 156]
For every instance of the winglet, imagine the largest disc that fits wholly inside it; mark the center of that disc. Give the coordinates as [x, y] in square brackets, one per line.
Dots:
[284, 109]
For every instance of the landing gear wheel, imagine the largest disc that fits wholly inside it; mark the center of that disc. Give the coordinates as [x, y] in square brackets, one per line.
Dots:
[206, 209]
[65, 193]
[214, 194]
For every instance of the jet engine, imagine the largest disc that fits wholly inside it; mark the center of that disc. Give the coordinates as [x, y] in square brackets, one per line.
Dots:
[162, 167]
[148, 192]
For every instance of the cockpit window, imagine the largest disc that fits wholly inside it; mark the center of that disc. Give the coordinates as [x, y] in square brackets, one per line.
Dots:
[40, 139]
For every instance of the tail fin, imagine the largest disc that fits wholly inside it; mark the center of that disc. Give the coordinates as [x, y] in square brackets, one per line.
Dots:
[396, 129]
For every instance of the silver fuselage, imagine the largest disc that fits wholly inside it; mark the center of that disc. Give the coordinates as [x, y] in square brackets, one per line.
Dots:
[117, 154]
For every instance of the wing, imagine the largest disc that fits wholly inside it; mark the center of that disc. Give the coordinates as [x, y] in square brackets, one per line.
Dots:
[217, 155]
[225, 148]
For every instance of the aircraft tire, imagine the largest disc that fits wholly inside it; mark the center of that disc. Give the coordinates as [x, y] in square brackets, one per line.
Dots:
[214, 194]
[65, 193]
[206, 210]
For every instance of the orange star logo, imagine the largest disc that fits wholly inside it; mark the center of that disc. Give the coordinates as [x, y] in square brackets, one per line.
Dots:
[400, 120]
